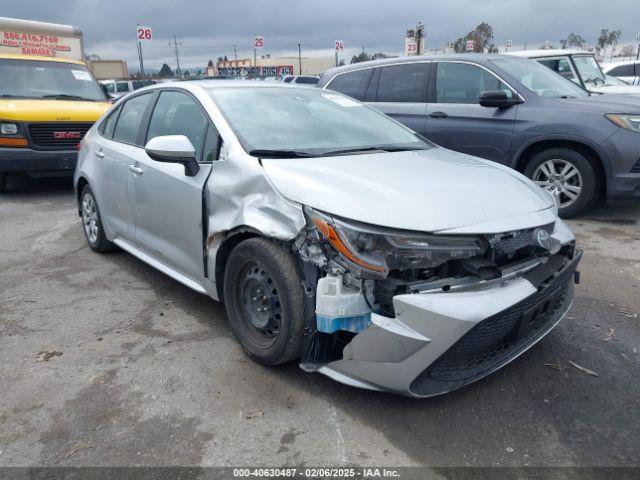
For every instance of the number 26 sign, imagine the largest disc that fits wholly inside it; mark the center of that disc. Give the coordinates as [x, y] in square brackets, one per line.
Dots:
[144, 33]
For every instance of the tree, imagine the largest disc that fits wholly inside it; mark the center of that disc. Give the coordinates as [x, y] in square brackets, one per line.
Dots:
[210, 63]
[220, 60]
[361, 57]
[482, 37]
[573, 40]
[165, 71]
[606, 38]
[628, 51]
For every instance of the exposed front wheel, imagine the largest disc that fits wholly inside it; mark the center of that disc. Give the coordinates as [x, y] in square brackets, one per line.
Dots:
[92, 223]
[264, 299]
[568, 175]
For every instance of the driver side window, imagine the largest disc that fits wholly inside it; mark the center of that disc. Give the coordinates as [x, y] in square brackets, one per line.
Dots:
[463, 83]
[176, 113]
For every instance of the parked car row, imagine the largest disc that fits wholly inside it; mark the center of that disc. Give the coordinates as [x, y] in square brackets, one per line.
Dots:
[513, 111]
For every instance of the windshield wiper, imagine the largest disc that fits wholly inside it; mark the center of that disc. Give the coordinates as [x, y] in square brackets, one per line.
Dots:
[374, 149]
[64, 96]
[6, 95]
[266, 153]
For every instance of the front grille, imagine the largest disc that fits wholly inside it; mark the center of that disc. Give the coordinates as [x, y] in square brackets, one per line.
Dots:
[57, 136]
[495, 340]
[636, 167]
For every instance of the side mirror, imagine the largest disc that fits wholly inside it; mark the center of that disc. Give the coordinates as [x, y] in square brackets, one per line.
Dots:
[174, 149]
[497, 99]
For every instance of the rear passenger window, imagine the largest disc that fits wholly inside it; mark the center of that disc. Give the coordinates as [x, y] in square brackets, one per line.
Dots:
[176, 113]
[353, 84]
[403, 83]
[110, 123]
[622, 71]
[463, 83]
[130, 117]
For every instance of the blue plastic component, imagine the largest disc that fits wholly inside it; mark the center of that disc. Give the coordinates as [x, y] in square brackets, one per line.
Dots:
[353, 324]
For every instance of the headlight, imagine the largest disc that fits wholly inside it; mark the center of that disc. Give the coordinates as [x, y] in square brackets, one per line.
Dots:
[630, 122]
[8, 128]
[381, 250]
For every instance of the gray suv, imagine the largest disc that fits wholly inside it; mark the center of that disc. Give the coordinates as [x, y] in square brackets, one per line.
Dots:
[513, 111]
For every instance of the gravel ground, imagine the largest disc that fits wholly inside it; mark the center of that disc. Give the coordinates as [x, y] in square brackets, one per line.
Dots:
[105, 362]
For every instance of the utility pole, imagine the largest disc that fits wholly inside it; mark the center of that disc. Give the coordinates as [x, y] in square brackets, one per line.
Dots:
[638, 54]
[419, 42]
[176, 51]
[299, 60]
[140, 58]
[235, 52]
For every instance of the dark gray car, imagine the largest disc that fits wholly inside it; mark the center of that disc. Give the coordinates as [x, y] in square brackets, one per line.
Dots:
[513, 111]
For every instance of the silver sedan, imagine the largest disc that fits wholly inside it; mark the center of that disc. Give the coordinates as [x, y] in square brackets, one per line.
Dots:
[334, 234]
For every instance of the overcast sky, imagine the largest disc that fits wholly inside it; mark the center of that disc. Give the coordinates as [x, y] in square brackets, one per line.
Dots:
[208, 28]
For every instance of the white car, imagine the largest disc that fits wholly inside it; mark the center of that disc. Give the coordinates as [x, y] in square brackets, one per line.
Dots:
[118, 88]
[301, 79]
[334, 234]
[580, 67]
[628, 71]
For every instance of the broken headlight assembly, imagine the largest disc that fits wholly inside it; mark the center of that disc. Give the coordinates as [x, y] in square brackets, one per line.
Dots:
[379, 250]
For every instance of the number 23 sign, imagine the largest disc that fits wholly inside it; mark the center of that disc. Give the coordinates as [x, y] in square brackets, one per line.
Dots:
[144, 33]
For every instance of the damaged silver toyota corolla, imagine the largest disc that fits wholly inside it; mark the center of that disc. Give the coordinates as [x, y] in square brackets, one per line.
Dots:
[332, 233]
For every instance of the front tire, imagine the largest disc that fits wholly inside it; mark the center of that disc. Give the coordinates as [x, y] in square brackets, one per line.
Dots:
[264, 299]
[92, 222]
[568, 175]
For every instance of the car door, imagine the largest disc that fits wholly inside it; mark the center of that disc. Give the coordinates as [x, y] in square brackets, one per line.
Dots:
[120, 132]
[456, 120]
[400, 91]
[168, 203]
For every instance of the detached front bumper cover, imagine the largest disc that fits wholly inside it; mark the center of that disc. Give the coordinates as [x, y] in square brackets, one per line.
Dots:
[441, 341]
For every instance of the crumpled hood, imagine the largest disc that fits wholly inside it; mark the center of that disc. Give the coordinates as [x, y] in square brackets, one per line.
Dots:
[427, 190]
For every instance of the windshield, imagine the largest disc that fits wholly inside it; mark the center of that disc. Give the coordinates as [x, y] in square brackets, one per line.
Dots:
[43, 79]
[539, 79]
[308, 122]
[589, 70]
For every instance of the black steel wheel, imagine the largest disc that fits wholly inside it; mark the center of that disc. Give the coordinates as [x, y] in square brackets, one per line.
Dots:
[264, 299]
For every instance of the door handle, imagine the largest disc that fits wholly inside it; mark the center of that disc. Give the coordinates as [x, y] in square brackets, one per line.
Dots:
[99, 153]
[438, 115]
[135, 169]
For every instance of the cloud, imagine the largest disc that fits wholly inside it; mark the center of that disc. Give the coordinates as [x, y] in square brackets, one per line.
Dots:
[208, 29]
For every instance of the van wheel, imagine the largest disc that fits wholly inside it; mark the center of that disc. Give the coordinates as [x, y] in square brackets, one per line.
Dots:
[3, 182]
[92, 223]
[568, 175]
[264, 299]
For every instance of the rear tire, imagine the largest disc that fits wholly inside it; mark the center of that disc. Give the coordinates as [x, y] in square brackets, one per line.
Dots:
[264, 298]
[92, 223]
[569, 175]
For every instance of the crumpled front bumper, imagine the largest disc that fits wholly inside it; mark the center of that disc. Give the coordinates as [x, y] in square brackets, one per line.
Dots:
[441, 341]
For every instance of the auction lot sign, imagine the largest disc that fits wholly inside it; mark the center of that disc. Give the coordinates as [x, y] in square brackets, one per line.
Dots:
[270, 71]
[42, 45]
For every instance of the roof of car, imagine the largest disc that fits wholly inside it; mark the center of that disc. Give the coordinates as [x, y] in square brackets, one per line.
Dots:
[609, 66]
[554, 52]
[12, 56]
[216, 84]
[417, 58]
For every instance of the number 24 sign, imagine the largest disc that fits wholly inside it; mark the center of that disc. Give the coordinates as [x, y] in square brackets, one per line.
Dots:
[144, 33]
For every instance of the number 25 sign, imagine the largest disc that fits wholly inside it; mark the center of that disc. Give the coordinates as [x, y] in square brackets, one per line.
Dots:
[258, 42]
[144, 33]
